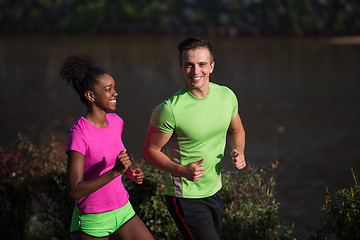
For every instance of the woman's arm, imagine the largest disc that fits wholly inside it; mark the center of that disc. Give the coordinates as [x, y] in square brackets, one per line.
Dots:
[77, 188]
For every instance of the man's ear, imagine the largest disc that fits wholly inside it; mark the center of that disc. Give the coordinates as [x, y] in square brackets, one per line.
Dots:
[90, 96]
[212, 66]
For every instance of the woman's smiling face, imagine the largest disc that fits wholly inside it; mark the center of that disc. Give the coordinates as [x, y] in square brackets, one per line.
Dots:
[105, 93]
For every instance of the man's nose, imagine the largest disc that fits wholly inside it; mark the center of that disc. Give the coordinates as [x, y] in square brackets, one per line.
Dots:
[196, 69]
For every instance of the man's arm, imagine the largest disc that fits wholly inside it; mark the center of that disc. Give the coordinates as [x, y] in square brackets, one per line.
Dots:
[152, 154]
[236, 141]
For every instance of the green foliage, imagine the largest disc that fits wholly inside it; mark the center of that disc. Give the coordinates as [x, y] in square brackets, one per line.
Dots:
[232, 17]
[149, 203]
[35, 204]
[250, 208]
[341, 214]
[32, 192]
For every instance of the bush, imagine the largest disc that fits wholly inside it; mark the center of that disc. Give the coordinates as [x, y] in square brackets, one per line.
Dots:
[32, 192]
[36, 206]
[341, 214]
[250, 209]
[149, 203]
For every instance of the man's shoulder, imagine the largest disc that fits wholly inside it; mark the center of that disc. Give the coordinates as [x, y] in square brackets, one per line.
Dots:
[220, 88]
[178, 94]
[173, 99]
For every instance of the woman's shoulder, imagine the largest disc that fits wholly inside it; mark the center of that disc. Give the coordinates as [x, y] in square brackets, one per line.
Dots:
[79, 125]
[78, 129]
[115, 119]
[113, 116]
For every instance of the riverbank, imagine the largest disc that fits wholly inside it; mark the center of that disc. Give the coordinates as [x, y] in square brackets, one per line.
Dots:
[216, 17]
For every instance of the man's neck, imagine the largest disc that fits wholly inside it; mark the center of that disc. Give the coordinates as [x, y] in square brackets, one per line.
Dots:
[199, 92]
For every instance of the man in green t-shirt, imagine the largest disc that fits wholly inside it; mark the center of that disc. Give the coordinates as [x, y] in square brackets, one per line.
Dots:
[186, 139]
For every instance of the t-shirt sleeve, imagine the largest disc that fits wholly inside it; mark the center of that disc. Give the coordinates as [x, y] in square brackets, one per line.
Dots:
[76, 142]
[234, 102]
[116, 119]
[162, 118]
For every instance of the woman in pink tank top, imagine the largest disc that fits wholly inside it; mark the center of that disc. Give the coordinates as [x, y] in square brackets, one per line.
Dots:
[97, 159]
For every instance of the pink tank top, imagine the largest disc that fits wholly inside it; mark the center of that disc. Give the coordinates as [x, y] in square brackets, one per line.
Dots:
[100, 147]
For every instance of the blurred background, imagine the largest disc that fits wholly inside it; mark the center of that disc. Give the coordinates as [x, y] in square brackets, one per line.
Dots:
[294, 66]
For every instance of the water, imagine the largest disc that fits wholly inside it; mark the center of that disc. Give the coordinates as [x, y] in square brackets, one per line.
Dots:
[298, 100]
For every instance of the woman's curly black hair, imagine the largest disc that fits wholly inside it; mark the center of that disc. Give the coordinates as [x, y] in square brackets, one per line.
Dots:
[81, 72]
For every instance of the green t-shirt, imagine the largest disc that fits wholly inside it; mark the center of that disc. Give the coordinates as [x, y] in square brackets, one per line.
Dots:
[198, 127]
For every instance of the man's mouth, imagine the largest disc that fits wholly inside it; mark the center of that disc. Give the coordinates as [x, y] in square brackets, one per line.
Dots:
[196, 78]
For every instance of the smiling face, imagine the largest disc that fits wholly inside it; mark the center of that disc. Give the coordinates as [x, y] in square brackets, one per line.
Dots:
[104, 93]
[196, 66]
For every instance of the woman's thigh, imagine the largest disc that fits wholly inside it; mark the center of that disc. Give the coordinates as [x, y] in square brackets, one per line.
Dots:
[133, 229]
[82, 236]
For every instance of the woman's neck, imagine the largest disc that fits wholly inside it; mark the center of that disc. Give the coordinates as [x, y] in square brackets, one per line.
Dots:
[97, 118]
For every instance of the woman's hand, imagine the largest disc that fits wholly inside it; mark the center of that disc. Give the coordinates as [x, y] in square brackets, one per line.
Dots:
[122, 162]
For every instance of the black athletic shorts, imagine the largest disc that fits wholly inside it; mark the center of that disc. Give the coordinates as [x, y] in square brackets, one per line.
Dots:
[197, 218]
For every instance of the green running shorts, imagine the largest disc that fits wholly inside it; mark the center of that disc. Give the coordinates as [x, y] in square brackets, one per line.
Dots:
[103, 224]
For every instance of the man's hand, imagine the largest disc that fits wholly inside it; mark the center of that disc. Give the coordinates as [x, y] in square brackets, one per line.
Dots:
[238, 159]
[135, 174]
[193, 171]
